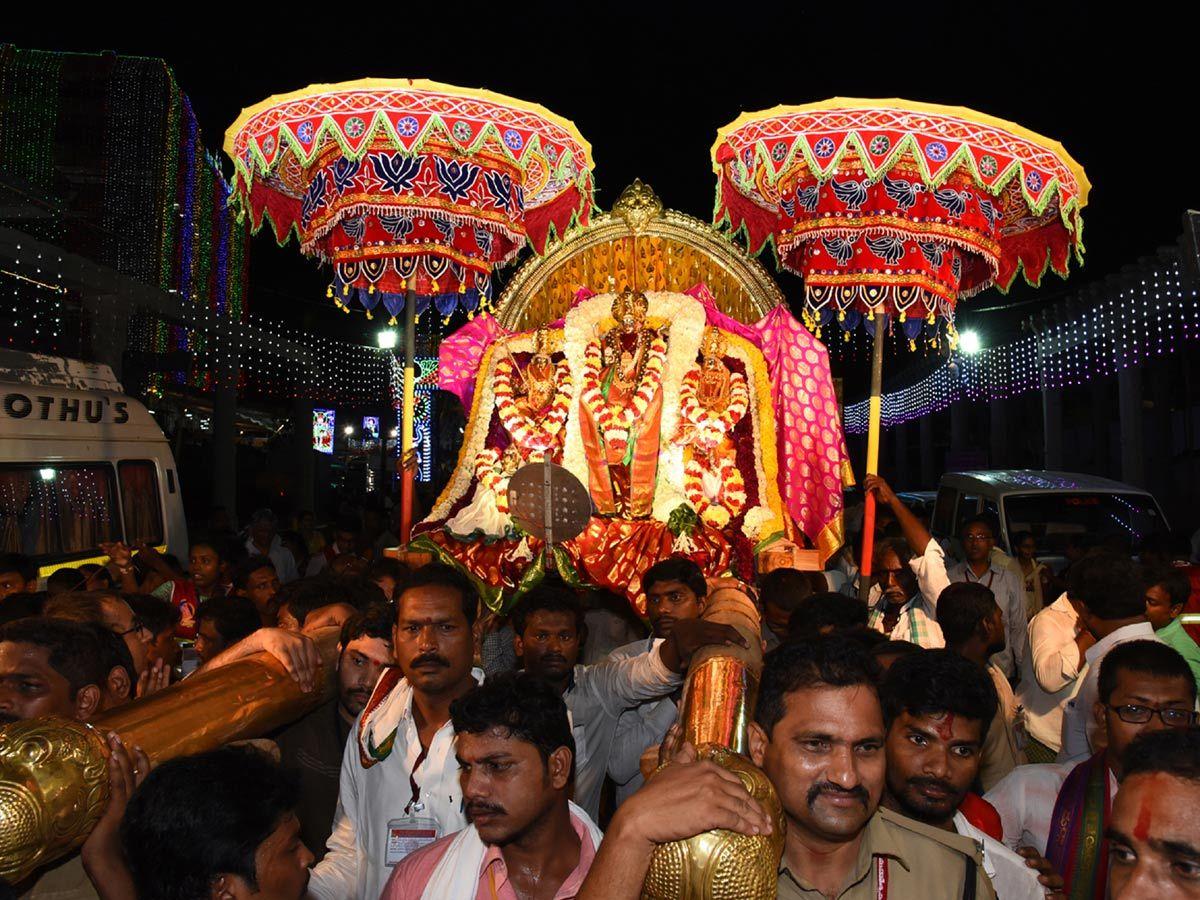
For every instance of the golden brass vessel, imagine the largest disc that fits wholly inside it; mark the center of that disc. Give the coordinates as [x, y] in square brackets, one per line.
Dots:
[719, 697]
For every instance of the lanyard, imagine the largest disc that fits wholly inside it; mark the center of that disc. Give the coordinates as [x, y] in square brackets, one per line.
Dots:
[991, 575]
[415, 804]
[492, 882]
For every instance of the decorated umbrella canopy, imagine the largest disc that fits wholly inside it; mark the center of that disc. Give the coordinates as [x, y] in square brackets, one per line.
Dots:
[409, 184]
[412, 190]
[897, 209]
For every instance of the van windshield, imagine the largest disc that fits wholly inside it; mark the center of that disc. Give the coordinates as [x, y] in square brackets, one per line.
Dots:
[1088, 518]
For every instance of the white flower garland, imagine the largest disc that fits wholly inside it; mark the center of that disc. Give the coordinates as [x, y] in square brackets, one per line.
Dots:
[533, 437]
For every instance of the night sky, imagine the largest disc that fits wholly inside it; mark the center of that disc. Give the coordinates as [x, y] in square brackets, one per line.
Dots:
[649, 90]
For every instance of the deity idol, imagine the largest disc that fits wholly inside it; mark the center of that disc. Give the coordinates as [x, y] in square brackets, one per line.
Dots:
[621, 409]
[712, 401]
[533, 401]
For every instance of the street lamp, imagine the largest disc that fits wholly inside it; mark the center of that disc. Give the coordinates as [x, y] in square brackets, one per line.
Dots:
[970, 343]
[387, 338]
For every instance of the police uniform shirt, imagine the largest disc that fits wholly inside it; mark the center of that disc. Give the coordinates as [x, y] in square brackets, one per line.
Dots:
[902, 858]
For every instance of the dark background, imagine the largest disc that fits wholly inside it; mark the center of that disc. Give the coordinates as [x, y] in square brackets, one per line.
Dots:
[649, 84]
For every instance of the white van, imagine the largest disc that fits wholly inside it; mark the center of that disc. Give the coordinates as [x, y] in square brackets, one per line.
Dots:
[1054, 506]
[81, 464]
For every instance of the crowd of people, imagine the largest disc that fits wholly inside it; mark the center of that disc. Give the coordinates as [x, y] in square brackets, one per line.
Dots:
[985, 727]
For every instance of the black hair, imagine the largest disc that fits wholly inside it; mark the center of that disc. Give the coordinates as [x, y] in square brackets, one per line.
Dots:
[986, 521]
[65, 580]
[894, 648]
[387, 567]
[216, 544]
[1108, 585]
[828, 609]
[22, 605]
[374, 621]
[79, 606]
[896, 545]
[548, 597]
[939, 681]
[115, 654]
[248, 567]
[90, 569]
[235, 618]
[156, 614]
[197, 817]
[1172, 579]
[867, 638]
[441, 575]
[961, 607]
[310, 594]
[520, 703]
[19, 563]
[1172, 751]
[787, 588]
[676, 568]
[1146, 658]
[73, 651]
[1017, 538]
[834, 662]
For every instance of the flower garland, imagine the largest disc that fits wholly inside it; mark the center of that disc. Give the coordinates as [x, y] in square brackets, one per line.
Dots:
[489, 472]
[535, 437]
[715, 505]
[614, 424]
[710, 428]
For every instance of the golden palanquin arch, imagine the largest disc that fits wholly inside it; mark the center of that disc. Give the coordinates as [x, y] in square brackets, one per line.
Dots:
[639, 245]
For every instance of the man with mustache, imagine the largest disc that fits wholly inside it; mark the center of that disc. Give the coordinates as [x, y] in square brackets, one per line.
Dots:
[938, 707]
[515, 753]
[549, 631]
[399, 788]
[675, 589]
[909, 576]
[311, 749]
[818, 734]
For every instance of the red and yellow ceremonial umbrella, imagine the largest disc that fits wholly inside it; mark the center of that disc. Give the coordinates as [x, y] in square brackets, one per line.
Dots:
[891, 211]
[412, 191]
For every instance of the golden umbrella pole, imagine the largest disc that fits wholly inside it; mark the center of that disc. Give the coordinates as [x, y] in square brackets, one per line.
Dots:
[54, 772]
[719, 697]
[408, 468]
[874, 410]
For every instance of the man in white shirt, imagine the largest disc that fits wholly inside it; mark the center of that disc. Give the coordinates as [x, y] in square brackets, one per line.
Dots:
[1112, 607]
[909, 577]
[978, 540]
[548, 622]
[399, 787]
[1139, 680]
[938, 706]
[1057, 642]
[675, 589]
[261, 540]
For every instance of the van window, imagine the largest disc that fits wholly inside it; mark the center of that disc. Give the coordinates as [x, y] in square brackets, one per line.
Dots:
[968, 508]
[57, 510]
[1086, 519]
[139, 500]
[943, 512]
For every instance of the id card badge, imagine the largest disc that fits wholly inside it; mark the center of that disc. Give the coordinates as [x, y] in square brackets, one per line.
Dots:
[409, 834]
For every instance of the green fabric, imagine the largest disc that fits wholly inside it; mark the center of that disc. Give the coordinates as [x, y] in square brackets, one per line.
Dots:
[1176, 637]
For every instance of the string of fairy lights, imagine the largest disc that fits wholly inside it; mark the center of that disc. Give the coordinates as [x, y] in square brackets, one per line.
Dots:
[1150, 310]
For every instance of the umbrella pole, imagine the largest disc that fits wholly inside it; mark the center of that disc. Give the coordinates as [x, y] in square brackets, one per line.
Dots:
[873, 424]
[408, 471]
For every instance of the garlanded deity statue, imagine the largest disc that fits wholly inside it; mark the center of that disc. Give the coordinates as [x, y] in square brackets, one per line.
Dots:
[488, 511]
[712, 401]
[621, 409]
[534, 401]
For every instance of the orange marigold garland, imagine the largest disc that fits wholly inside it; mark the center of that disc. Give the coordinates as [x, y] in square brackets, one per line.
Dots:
[535, 437]
[710, 428]
[614, 423]
[716, 496]
[491, 475]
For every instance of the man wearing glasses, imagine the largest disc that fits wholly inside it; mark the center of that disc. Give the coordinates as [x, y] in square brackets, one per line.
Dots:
[1061, 808]
[978, 539]
[111, 611]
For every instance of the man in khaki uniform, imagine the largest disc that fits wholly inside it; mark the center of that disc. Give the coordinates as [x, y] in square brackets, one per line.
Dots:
[819, 735]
